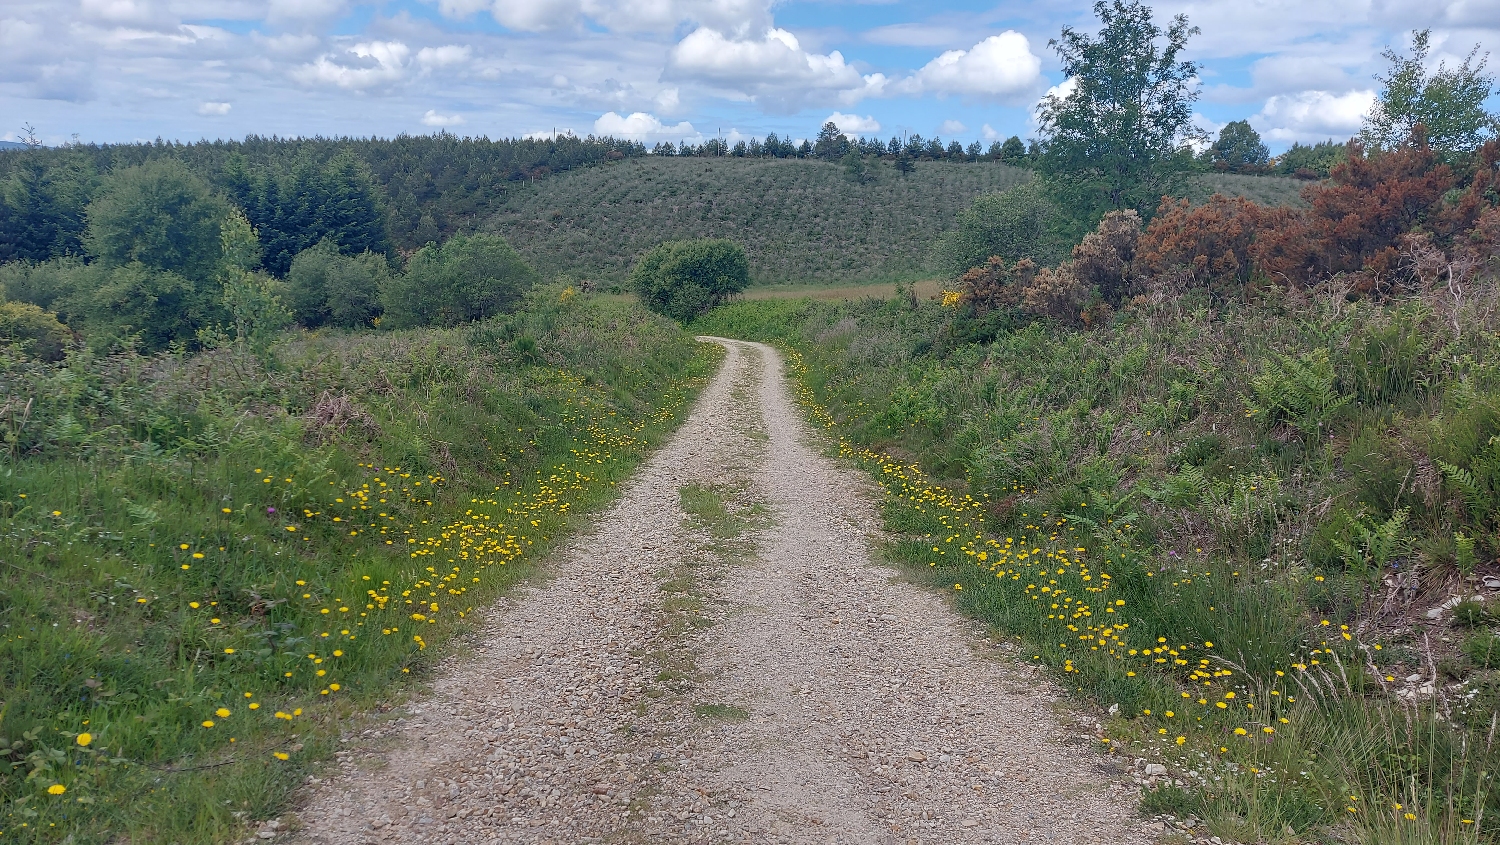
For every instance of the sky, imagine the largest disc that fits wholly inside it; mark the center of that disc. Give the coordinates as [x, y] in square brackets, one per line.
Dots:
[664, 70]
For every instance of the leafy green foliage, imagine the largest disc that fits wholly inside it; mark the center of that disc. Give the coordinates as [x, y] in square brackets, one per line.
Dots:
[1447, 103]
[132, 304]
[469, 277]
[684, 279]
[327, 287]
[1239, 149]
[1021, 222]
[35, 332]
[159, 215]
[1311, 161]
[1116, 140]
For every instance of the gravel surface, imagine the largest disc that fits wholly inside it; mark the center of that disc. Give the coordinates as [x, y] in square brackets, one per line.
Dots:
[750, 677]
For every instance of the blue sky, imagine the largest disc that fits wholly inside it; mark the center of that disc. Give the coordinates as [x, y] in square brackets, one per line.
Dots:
[122, 70]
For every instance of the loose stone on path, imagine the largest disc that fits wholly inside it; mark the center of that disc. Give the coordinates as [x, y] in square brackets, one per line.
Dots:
[667, 686]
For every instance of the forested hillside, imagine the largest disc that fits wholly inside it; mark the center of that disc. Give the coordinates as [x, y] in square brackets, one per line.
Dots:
[406, 190]
[800, 220]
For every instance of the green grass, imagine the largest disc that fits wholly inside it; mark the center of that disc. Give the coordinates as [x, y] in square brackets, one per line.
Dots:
[725, 712]
[1183, 509]
[1266, 190]
[290, 541]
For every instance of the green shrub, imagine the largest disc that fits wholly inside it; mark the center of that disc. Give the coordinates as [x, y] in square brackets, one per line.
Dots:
[469, 277]
[326, 287]
[161, 215]
[44, 285]
[133, 304]
[36, 332]
[1470, 614]
[684, 279]
[1019, 222]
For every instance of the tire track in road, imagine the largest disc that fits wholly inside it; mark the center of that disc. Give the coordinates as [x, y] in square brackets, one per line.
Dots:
[664, 685]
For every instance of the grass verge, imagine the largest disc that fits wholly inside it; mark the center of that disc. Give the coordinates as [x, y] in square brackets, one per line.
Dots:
[210, 561]
[1171, 519]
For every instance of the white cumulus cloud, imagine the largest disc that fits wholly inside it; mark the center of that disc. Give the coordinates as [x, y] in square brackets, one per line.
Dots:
[853, 124]
[435, 118]
[952, 127]
[619, 15]
[1000, 67]
[211, 108]
[449, 54]
[640, 126]
[1313, 115]
[773, 70]
[368, 65]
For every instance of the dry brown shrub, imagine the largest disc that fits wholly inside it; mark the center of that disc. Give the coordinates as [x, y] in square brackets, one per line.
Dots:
[1056, 293]
[1203, 247]
[1103, 261]
[333, 413]
[995, 286]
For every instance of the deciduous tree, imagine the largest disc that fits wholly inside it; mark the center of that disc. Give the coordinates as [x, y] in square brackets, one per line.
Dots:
[1116, 139]
[1448, 102]
[683, 279]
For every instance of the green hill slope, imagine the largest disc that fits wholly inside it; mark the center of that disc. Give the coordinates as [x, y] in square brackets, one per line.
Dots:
[799, 220]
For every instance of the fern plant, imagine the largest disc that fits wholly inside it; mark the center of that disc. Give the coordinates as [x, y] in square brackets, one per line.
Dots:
[1478, 484]
[1301, 391]
[1372, 546]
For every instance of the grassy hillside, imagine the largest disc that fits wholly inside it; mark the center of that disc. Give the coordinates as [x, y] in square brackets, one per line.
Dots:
[1242, 528]
[801, 221]
[211, 561]
[1266, 190]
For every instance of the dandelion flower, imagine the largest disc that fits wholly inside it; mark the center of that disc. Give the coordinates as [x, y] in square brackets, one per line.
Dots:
[84, 739]
[222, 713]
[56, 789]
[280, 755]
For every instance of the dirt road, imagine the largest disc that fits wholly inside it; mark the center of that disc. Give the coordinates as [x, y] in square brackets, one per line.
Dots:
[721, 659]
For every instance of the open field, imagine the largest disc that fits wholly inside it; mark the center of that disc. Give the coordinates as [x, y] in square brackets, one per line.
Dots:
[922, 288]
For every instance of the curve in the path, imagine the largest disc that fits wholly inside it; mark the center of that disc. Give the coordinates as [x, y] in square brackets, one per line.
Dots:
[667, 684]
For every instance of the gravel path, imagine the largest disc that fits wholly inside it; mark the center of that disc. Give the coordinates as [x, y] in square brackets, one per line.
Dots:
[739, 671]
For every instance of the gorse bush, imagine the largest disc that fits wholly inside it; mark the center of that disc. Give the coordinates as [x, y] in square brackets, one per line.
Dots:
[35, 332]
[684, 279]
[1018, 223]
